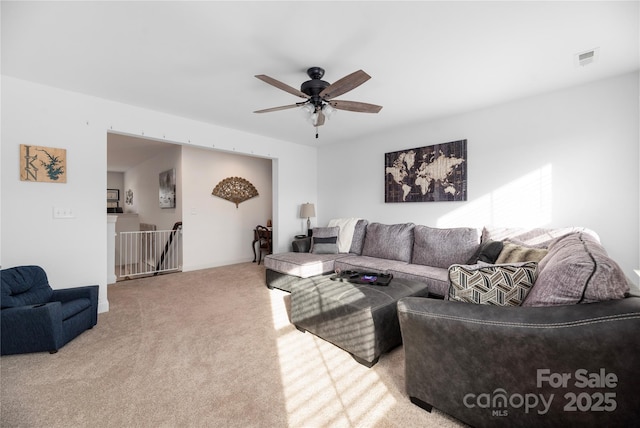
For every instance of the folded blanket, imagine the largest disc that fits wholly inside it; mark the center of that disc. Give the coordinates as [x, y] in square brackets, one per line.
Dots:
[347, 227]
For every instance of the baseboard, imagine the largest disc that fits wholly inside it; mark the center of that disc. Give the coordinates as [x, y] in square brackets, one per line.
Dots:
[103, 306]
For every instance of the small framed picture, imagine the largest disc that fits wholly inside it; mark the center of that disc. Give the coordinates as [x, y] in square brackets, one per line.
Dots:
[43, 164]
[167, 186]
[113, 195]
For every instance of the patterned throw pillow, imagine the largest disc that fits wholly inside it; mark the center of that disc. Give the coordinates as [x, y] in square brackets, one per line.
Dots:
[501, 285]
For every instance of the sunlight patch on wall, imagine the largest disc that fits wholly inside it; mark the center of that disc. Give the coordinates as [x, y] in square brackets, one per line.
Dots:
[523, 202]
[322, 384]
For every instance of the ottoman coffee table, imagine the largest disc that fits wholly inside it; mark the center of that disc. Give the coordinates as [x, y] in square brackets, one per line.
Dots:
[362, 319]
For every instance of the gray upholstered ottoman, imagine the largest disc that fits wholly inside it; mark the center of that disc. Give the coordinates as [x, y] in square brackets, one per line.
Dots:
[359, 318]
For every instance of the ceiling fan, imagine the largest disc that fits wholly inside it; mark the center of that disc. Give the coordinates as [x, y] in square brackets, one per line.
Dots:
[319, 95]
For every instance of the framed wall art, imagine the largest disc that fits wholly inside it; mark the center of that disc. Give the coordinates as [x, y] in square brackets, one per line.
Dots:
[168, 189]
[43, 164]
[113, 195]
[427, 174]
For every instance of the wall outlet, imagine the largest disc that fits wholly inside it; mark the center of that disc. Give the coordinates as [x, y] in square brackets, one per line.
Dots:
[59, 212]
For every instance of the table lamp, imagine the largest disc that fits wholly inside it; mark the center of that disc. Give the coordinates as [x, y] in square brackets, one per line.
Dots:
[308, 210]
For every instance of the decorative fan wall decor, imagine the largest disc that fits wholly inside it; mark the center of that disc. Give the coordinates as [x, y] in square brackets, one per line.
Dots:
[235, 189]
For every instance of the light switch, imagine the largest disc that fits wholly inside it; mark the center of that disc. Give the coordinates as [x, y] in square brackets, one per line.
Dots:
[59, 212]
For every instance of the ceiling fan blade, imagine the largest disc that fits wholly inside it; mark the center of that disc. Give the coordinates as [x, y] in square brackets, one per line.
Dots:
[355, 106]
[278, 84]
[321, 118]
[267, 110]
[344, 85]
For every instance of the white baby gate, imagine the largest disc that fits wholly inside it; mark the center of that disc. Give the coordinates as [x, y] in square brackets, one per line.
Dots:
[150, 252]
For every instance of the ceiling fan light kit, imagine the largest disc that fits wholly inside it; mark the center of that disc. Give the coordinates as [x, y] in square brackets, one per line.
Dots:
[319, 95]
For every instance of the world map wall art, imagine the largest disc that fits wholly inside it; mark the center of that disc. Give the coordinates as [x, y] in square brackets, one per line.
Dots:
[427, 174]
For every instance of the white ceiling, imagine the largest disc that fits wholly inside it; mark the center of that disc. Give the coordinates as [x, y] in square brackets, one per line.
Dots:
[427, 59]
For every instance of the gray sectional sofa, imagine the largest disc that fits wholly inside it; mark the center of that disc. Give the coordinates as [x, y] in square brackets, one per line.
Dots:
[425, 254]
[552, 342]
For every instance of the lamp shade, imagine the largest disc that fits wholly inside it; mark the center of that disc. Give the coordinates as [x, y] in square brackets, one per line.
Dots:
[307, 210]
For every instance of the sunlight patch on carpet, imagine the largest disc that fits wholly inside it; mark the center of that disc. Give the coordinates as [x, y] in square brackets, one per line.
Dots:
[322, 384]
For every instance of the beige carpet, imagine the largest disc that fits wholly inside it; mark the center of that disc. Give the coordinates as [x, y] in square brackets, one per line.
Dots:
[210, 348]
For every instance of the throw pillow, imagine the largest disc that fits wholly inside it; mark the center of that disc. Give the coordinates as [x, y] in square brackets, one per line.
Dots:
[501, 285]
[513, 253]
[324, 232]
[487, 253]
[324, 245]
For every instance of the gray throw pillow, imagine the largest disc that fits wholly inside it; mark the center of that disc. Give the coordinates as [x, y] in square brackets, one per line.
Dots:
[324, 245]
[487, 253]
[326, 232]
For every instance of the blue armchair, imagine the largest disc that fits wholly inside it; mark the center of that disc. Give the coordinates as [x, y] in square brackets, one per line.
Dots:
[36, 318]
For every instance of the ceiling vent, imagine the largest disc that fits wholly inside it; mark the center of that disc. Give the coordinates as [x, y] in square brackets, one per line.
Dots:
[587, 57]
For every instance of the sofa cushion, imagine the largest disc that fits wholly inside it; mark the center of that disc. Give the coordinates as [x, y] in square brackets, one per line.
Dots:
[436, 278]
[365, 263]
[577, 270]
[499, 284]
[303, 265]
[324, 245]
[24, 285]
[531, 237]
[359, 233]
[514, 253]
[444, 247]
[73, 307]
[389, 241]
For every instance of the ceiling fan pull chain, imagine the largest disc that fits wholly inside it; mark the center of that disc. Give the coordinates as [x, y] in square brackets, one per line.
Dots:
[316, 132]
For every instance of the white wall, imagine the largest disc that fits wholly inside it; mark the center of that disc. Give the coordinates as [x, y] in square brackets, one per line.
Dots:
[143, 180]
[74, 252]
[222, 234]
[568, 158]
